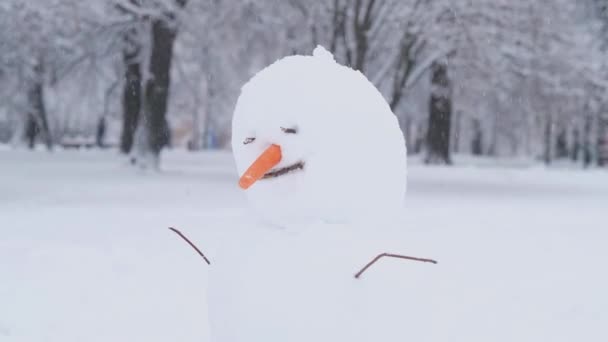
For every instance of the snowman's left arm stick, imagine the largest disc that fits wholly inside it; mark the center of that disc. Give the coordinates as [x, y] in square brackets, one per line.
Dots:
[389, 255]
[191, 244]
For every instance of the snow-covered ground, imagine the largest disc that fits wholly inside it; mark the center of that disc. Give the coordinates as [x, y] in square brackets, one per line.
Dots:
[85, 254]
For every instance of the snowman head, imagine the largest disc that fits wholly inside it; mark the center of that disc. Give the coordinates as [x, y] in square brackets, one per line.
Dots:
[315, 140]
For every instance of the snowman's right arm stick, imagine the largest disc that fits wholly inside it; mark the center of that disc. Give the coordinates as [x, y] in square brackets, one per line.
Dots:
[389, 255]
[191, 244]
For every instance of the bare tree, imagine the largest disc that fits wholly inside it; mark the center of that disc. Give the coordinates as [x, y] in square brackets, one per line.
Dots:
[37, 123]
[131, 96]
[440, 115]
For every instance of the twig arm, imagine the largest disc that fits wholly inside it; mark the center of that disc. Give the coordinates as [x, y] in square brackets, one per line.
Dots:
[389, 255]
[191, 244]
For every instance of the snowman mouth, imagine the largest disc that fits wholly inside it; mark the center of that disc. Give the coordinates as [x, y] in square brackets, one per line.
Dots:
[284, 170]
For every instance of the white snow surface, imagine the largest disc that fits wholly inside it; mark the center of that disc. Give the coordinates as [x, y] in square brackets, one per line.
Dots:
[85, 254]
[347, 137]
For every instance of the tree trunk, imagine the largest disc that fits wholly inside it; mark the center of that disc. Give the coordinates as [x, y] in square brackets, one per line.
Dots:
[440, 114]
[37, 122]
[208, 112]
[576, 146]
[362, 24]
[456, 132]
[561, 144]
[131, 97]
[209, 106]
[548, 135]
[477, 141]
[100, 133]
[155, 128]
[30, 131]
[407, 130]
[404, 69]
[587, 136]
[602, 141]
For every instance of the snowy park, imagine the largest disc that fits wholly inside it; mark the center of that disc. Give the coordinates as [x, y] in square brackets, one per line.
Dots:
[86, 253]
[297, 171]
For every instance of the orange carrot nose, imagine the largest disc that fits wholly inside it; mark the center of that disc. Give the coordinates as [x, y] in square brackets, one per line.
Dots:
[266, 161]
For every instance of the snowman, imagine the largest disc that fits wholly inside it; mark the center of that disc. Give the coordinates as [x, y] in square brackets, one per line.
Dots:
[322, 160]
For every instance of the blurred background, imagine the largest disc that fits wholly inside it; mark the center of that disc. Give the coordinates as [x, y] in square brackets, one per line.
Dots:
[515, 79]
[97, 95]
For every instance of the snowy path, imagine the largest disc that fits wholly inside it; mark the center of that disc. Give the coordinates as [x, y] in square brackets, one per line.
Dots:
[85, 254]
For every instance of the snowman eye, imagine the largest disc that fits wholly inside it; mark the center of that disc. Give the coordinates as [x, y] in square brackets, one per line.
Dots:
[292, 130]
[248, 140]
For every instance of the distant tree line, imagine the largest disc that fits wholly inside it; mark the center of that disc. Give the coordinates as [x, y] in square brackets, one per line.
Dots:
[481, 77]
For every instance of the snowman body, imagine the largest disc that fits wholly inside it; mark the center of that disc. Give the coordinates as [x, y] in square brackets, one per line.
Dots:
[333, 178]
[286, 285]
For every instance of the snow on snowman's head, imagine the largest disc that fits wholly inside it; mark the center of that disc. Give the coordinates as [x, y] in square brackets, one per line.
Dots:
[315, 140]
